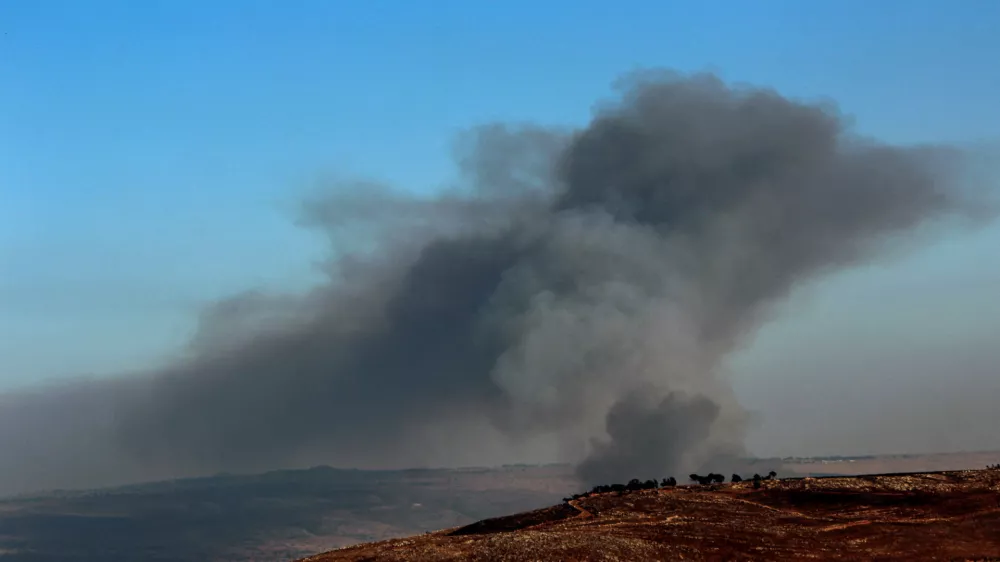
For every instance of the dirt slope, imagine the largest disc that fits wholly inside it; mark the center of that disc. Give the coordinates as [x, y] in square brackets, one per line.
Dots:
[929, 516]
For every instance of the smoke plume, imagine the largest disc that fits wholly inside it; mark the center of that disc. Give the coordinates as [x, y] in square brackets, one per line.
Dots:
[576, 287]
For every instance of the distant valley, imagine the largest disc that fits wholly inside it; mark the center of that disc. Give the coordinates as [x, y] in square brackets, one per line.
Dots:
[289, 514]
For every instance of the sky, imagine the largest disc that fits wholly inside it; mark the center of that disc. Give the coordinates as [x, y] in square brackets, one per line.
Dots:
[152, 155]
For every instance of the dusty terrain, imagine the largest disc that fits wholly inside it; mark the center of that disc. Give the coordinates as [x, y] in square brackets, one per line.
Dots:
[288, 514]
[923, 516]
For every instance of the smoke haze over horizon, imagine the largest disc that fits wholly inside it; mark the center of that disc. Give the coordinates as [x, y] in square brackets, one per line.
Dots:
[579, 291]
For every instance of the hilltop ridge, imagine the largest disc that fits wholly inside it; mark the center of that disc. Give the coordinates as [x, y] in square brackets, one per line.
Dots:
[952, 515]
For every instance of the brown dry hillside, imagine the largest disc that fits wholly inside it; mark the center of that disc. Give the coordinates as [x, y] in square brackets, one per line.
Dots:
[925, 516]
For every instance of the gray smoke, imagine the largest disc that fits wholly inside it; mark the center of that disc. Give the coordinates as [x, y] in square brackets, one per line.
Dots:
[649, 436]
[576, 287]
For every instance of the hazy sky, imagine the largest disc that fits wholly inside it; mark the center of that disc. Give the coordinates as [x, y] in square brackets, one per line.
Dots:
[152, 154]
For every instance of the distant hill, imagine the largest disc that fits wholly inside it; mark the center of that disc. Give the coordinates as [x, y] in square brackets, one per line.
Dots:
[929, 516]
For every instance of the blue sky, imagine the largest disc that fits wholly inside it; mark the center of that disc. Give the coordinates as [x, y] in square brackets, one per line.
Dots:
[151, 153]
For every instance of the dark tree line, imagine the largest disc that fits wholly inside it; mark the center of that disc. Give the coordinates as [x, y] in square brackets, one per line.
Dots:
[712, 478]
[635, 484]
[757, 478]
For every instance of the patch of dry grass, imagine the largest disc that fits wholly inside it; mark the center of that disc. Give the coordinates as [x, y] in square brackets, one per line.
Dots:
[944, 516]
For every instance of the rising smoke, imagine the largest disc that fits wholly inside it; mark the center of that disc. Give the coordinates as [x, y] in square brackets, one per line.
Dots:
[578, 286]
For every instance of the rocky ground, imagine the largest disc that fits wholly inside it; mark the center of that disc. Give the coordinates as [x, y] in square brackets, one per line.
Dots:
[924, 516]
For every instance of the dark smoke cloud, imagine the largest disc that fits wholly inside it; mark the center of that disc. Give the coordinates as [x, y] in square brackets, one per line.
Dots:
[649, 436]
[568, 271]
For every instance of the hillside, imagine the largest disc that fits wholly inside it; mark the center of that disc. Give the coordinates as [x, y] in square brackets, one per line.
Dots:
[917, 516]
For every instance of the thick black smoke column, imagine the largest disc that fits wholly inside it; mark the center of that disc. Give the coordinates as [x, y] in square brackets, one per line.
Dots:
[578, 285]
